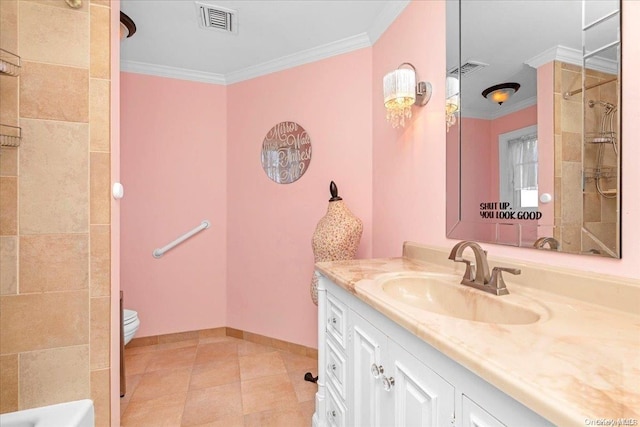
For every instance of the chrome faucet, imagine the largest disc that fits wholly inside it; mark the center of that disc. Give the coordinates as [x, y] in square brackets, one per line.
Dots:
[553, 243]
[476, 274]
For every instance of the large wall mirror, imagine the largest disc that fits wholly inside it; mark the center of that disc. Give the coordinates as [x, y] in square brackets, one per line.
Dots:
[533, 126]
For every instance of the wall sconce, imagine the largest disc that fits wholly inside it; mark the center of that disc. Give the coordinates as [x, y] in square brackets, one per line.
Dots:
[401, 92]
[500, 93]
[452, 102]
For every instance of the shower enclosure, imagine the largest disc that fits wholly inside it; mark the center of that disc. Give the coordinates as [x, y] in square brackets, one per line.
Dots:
[601, 142]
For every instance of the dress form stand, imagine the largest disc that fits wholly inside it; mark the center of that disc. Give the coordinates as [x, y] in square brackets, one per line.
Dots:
[337, 235]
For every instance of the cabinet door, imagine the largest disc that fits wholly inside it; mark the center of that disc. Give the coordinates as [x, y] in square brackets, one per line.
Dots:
[365, 353]
[475, 416]
[421, 397]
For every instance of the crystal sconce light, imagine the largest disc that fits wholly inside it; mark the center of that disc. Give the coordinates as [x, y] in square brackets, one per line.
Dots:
[452, 102]
[401, 92]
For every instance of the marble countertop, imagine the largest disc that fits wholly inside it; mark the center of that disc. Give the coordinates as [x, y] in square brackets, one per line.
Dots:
[580, 362]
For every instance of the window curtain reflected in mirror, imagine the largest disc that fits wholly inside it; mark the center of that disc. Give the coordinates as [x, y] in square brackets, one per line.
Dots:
[523, 152]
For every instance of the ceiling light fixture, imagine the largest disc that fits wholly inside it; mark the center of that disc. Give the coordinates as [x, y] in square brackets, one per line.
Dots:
[500, 93]
[127, 26]
[401, 92]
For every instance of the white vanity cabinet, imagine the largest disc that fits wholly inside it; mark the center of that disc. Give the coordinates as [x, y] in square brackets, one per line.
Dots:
[375, 373]
[390, 386]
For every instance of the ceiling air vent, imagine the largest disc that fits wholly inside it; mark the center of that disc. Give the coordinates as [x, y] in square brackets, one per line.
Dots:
[217, 18]
[468, 68]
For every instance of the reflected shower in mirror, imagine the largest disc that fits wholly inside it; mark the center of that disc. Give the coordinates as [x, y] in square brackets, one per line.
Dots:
[533, 151]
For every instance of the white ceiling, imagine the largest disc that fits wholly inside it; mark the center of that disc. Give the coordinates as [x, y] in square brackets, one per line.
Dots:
[277, 34]
[272, 35]
[508, 35]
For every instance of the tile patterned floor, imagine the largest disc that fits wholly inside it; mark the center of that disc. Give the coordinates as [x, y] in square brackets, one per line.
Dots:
[216, 382]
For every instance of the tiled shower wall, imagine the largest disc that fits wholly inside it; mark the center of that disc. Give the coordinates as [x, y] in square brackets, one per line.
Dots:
[573, 206]
[54, 202]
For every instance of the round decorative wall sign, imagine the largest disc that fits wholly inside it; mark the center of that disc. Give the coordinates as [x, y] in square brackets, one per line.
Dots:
[286, 152]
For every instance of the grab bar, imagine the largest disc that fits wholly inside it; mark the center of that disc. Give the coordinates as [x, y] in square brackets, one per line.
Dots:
[203, 226]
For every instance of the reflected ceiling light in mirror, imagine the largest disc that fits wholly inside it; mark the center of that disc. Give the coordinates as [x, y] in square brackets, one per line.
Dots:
[500, 93]
[401, 92]
[127, 26]
[452, 103]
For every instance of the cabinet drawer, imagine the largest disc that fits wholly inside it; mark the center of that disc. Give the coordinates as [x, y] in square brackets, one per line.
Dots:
[337, 320]
[336, 412]
[337, 369]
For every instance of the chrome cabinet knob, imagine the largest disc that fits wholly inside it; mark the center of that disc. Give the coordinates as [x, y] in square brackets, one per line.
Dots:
[331, 414]
[376, 370]
[332, 321]
[332, 367]
[388, 383]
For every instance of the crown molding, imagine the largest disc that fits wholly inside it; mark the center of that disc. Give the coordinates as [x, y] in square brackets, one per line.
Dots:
[172, 72]
[386, 16]
[328, 50]
[572, 56]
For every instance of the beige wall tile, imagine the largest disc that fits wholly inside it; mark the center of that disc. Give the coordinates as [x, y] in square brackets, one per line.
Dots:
[100, 43]
[9, 25]
[571, 199]
[54, 376]
[9, 101]
[100, 394]
[99, 114]
[591, 207]
[8, 383]
[609, 210]
[8, 161]
[61, 4]
[100, 188]
[100, 275]
[63, 40]
[571, 241]
[59, 190]
[54, 92]
[9, 264]
[101, 2]
[54, 262]
[8, 206]
[571, 147]
[100, 329]
[571, 116]
[39, 321]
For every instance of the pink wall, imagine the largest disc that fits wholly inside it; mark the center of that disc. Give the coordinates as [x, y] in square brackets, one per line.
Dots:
[409, 190]
[478, 164]
[546, 145]
[174, 170]
[410, 205]
[270, 225]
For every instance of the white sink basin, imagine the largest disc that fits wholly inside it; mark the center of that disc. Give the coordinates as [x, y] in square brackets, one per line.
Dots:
[78, 413]
[443, 294]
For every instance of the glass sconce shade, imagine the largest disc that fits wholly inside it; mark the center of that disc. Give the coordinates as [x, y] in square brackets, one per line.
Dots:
[452, 103]
[399, 95]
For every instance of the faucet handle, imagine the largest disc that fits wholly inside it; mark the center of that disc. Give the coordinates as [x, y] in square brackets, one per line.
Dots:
[497, 282]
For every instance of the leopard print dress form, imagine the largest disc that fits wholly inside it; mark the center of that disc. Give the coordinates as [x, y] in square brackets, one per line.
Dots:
[336, 237]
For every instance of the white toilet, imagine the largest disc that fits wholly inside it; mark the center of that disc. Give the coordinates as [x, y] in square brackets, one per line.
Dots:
[131, 324]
